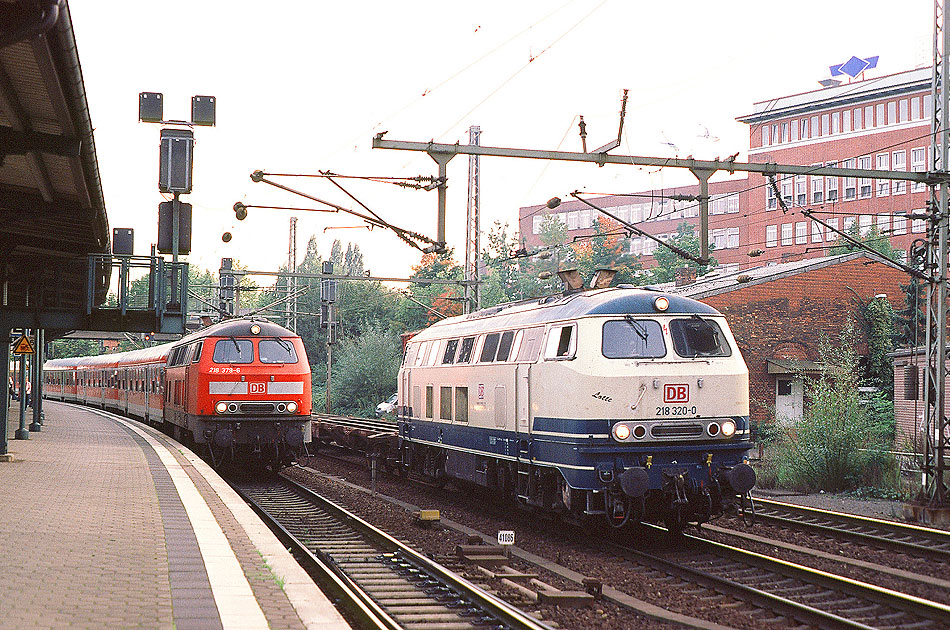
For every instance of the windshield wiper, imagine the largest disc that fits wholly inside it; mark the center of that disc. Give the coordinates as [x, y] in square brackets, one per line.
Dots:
[706, 324]
[637, 327]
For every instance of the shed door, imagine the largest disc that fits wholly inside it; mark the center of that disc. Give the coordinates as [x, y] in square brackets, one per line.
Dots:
[789, 396]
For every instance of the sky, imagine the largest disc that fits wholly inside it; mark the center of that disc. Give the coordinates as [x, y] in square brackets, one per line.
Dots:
[303, 86]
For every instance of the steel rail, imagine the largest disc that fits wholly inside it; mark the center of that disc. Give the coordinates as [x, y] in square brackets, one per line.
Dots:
[495, 607]
[923, 535]
[887, 597]
[343, 590]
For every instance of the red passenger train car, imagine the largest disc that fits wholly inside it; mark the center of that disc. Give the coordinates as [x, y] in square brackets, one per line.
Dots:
[241, 387]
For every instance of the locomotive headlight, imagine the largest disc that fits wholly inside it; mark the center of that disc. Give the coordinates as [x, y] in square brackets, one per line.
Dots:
[661, 303]
[291, 407]
[221, 407]
[255, 329]
[621, 432]
[728, 428]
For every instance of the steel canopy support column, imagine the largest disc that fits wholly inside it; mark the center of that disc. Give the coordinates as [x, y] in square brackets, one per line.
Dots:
[37, 397]
[4, 391]
[22, 433]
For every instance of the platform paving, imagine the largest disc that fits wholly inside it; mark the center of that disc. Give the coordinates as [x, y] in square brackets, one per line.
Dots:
[108, 523]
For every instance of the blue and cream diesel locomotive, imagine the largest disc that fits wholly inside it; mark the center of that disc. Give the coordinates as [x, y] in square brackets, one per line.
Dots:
[623, 403]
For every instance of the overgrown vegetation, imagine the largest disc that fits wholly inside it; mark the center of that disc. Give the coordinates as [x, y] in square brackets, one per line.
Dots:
[843, 439]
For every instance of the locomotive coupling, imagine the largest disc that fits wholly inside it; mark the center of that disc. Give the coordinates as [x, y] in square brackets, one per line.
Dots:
[740, 478]
[635, 482]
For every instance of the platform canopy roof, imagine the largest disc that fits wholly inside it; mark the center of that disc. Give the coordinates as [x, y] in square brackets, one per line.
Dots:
[52, 213]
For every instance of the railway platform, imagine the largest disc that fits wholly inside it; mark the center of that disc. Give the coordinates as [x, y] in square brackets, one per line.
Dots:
[105, 522]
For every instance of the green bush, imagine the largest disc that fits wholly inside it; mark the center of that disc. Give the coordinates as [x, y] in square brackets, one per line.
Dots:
[841, 442]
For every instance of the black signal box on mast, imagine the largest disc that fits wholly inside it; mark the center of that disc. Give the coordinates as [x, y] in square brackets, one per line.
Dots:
[166, 225]
[176, 154]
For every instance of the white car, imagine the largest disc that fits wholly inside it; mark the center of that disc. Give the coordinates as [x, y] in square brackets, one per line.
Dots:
[387, 406]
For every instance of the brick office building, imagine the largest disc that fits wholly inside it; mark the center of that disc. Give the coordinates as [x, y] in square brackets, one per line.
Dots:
[877, 123]
[779, 314]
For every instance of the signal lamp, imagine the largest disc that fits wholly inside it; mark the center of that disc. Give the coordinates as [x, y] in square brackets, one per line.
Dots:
[291, 407]
[221, 407]
[728, 428]
[240, 211]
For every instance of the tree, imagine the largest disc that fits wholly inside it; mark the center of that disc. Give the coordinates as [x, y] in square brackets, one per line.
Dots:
[871, 239]
[605, 250]
[909, 321]
[365, 369]
[668, 261]
[418, 312]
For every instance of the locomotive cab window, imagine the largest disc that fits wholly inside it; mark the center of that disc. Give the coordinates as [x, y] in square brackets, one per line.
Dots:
[698, 337]
[631, 338]
[562, 343]
[276, 350]
[233, 351]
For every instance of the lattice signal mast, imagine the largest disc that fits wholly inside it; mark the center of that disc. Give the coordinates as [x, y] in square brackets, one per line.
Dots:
[472, 235]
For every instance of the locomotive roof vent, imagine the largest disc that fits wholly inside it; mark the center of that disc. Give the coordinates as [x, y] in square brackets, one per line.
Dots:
[572, 280]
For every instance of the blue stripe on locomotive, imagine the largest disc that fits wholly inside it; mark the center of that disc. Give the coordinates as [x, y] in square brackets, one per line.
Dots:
[580, 456]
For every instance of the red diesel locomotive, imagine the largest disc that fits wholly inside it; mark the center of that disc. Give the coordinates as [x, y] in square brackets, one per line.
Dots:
[241, 387]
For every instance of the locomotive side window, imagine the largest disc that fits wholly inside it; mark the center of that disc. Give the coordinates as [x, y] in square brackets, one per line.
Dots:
[429, 401]
[276, 351]
[461, 404]
[633, 339]
[504, 346]
[450, 347]
[233, 351]
[445, 403]
[531, 344]
[698, 337]
[465, 350]
[489, 348]
[197, 354]
[561, 343]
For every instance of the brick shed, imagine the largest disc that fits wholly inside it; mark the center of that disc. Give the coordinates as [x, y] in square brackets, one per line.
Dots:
[779, 313]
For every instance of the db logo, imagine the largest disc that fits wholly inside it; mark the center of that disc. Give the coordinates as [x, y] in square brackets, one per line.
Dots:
[676, 393]
[258, 388]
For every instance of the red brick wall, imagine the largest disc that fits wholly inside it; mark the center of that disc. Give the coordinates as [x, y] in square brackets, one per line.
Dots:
[786, 317]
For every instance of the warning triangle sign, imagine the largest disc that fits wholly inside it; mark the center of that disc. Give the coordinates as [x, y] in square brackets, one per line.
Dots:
[23, 346]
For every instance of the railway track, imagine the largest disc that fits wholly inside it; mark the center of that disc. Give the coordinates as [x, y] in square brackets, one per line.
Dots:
[795, 593]
[913, 540]
[381, 582]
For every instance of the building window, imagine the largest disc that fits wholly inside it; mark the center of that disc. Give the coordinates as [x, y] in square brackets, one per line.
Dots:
[883, 224]
[850, 183]
[732, 237]
[817, 189]
[900, 224]
[801, 190]
[832, 226]
[585, 219]
[831, 185]
[536, 224]
[771, 235]
[816, 232]
[847, 226]
[899, 163]
[846, 120]
[787, 190]
[892, 112]
[864, 162]
[879, 120]
[918, 226]
[858, 124]
[883, 164]
[803, 128]
[865, 223]
[825, 126]
[836, 123]
[787, 233]
[775, 136]
[903, 110]
[572, 220]
[914, 108]
[869, 117]
[770, 201]
[765, 136]
[918, 164]
[801, 233]
[785, 137]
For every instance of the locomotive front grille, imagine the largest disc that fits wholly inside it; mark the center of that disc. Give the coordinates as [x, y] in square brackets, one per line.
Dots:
[676, 430]
[257, 407]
